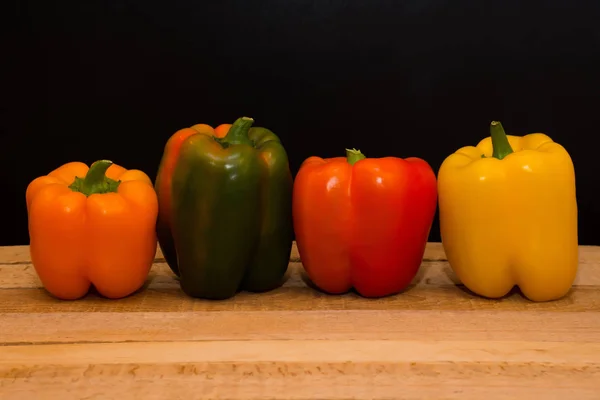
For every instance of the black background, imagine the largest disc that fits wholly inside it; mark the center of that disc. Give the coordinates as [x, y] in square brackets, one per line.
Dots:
[88, 80]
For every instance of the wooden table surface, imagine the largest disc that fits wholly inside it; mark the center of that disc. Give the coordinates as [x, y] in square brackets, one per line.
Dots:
[435, 340]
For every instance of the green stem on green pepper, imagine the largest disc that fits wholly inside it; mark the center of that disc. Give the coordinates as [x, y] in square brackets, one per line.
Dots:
[238, 133]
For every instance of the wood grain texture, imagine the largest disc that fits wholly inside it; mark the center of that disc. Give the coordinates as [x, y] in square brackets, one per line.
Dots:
[434, 340]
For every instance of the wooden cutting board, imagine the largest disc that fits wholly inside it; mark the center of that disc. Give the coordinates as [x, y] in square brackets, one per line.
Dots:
[435, 340]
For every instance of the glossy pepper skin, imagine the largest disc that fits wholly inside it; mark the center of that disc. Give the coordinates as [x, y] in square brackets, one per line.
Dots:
[508, 216]
[163, 184]
[363, 223]
[92, 226]
[225, 216]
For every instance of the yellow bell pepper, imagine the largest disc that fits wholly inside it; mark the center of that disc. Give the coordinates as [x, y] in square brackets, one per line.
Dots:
[508, 215]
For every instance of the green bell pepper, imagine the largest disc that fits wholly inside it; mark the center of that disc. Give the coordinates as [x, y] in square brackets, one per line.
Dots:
[227, 210]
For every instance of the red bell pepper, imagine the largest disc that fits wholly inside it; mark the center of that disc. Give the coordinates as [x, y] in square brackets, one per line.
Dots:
[363, 223]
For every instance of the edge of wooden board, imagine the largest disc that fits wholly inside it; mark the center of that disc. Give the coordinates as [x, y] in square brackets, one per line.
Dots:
[434, 251]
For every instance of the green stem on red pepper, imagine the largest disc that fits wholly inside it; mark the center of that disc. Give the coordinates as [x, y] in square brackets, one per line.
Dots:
[500, 144]
[353, 155]
[96, 181]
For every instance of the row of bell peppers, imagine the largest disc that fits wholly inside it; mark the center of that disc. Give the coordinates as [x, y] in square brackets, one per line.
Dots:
[225, 207]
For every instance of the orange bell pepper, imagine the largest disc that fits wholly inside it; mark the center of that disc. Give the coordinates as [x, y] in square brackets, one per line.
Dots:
[92, 226]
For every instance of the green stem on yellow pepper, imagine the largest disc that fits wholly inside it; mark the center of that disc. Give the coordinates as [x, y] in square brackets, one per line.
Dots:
[500, 144]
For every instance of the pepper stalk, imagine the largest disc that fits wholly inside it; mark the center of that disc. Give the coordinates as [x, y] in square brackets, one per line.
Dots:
[353, 156]
[95, 180]
[500, 144]
[238, 132]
